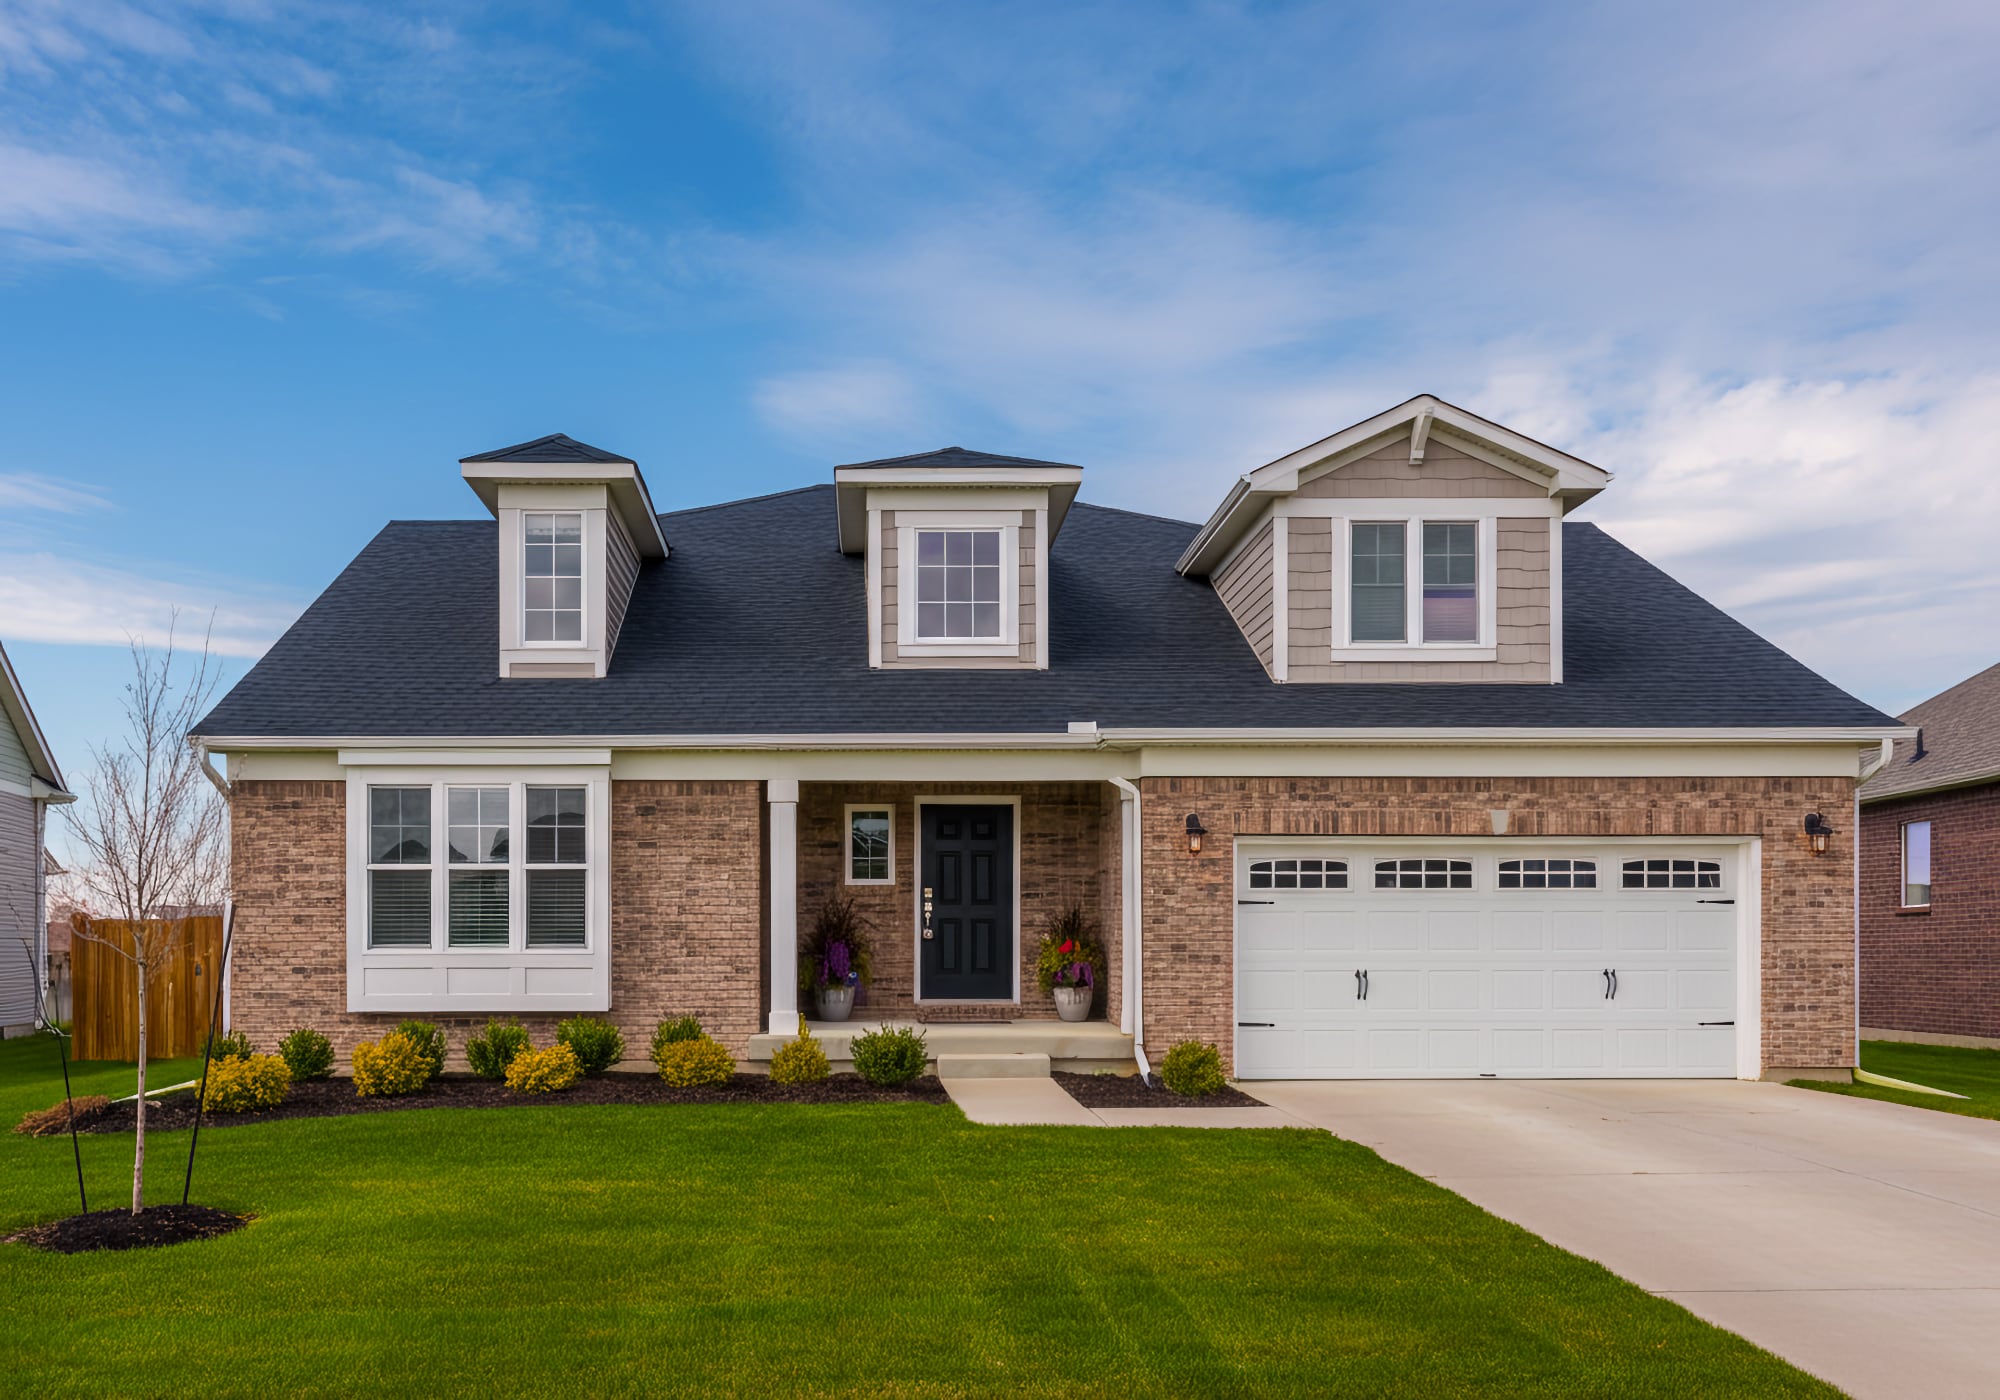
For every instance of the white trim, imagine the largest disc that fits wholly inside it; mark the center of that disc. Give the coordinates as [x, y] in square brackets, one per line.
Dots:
[624, 490]
[441, 758]
[1418, 433]
[917, 904]
[1372, 508]
[958, 476]
[874, 588]
[1433, 651]
[1131, 1020]
[1555, 601]
[420, 979]
[935, 500]
[847, 841]
[1042, 587]
[1413, 647]
[782, 795]
[1007, 524]
[16, 709]
[1281, 600]
[1750, 961]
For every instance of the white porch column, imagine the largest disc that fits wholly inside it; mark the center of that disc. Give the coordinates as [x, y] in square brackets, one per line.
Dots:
[783, 795]
[1128, 908]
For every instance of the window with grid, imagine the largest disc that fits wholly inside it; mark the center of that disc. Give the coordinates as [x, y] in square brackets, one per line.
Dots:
[476, 844]
[1548, 874]
[1451, 581]
[1672, 874]
[1423, 873]
[1298, 874]
[1375, 583]
[399, 867]
[552, 592]
[958, 585]
[1916, 865]
[868, 855]
[558, 876]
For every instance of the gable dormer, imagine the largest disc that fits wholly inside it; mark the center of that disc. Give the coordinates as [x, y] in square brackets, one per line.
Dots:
[1423, 544]
[957, 544]
[576, 523]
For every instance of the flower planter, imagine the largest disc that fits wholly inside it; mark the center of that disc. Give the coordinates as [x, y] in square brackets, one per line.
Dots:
[836, 1003]
[1073, 1003]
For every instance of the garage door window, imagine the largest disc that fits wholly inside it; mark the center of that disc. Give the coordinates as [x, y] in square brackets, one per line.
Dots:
[1673, 875]
[1298, 874]
[1548, 874]
[1425, 874]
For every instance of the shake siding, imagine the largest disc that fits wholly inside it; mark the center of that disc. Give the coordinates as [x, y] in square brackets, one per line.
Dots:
[892, 592]
[14, 765]
[1244, 586]
[621, 573]
[1445, 473]
[20, 860]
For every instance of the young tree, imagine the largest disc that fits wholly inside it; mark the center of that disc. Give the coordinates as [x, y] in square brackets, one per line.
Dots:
[150, 831]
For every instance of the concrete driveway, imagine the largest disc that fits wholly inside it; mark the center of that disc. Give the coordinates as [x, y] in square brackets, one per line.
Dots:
[1858, 1240]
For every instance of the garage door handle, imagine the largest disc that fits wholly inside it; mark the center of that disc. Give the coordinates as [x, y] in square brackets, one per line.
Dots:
[1364, 984]
[1614, 984]
[1610, 975]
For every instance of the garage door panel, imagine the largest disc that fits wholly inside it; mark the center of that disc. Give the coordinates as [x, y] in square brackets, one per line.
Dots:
[1326, 931]
[1455, 989]
[1516, 931]
[1326, 991]
[1452, 1051]
[1576, 989]
[1266, 991]
[1273, 931]
[1395, 1050]
[1643, 989]
[1574, 1048]
[1705, 990]
[1705, 931]
[1452, 931]
[1398, 932]
[1578, 930]
[1520, 1051]
[1520, 990]
[1331, 1052]
[1643, 1051]
[1268, 1053]
[1392, 989]
[1709, 1049]
[1643, 931]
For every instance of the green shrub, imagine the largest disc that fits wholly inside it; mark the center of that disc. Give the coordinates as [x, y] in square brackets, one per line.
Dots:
[241, 1084]
[597, 1044]
[428, 1041]
[491, 1053]
[390, 1069]
[233, 1046]
[800, 1061]
[1192, 1068]
[688, 1064]
[889, 1059]
[543, 1071]
[678, 1029]
[307, 1054]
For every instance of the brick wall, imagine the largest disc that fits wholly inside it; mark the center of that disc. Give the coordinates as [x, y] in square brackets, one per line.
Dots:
[1808, 935]
[1934, 971]
[686, 914]
[1064, 857]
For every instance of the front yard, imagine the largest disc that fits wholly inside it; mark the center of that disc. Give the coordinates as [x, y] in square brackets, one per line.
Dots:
[776, 1249]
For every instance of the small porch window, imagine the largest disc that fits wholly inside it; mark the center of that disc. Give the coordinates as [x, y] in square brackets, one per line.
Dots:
[1916, 865]
[871, 853]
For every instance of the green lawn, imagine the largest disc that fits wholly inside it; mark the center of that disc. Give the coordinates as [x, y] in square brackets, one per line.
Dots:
[867, 1250]
[1974, 1073]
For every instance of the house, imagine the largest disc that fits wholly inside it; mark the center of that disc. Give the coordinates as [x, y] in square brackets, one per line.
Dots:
[30, 782]
[1930, 875]
[1386, 769]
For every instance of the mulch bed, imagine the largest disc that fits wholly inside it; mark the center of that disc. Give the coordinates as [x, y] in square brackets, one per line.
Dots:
[333, 1098]
[1130, 1091]
[120, 1229]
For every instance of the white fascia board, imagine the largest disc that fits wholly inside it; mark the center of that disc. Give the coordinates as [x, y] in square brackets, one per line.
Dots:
[852, 486]
[1523, 736]
[432, 757]
[352, 746]
[15, 709]
[629, 496]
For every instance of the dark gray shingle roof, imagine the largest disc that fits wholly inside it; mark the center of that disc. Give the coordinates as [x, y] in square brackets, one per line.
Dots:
[756, 625]
[556, 447]
[953, 457]
[1961, 734]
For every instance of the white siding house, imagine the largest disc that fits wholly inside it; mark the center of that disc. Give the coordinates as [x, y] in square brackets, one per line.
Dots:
[30, 783]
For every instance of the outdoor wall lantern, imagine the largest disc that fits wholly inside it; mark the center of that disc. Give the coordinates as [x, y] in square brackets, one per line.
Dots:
[1818, 833]
[1195, 831]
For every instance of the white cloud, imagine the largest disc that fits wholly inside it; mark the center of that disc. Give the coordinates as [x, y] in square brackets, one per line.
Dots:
[30, 491]
[840, 403]
[44, 598]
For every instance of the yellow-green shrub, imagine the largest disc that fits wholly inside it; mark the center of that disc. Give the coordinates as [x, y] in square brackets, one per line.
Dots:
[543, 1071]
[389, 1068]
[688, 1064]
[800, 1061]
[246, 1083]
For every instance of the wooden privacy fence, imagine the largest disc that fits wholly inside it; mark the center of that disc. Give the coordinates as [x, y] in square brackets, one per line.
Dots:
[180, 989]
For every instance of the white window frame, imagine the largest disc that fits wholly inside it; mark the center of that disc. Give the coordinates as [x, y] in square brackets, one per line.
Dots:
[1008, 525]
[1903, 863]
[847, 841]
[583, 533]
[1483, 648]
[470, 980]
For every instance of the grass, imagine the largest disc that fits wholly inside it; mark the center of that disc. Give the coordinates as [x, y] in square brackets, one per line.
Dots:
[1974, 1073]
[881, 1250]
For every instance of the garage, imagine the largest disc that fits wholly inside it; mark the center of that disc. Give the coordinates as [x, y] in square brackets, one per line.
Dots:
[1466, 959]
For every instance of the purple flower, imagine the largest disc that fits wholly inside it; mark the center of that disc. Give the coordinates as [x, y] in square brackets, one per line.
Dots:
[837, 962]
[1076, 974]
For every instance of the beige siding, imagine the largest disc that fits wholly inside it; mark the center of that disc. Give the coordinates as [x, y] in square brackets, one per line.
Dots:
[1445, 473]
[1244, 585]
[621, 573]
[1521, 611]
[891, 591]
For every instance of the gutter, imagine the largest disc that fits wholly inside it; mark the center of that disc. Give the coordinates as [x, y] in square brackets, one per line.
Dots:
[208, 770]
[1131, 933]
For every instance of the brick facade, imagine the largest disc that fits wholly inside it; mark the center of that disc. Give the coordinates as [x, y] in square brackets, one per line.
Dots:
[1934, 971]
[1069, 838]
[687, 922]
[1808, 931]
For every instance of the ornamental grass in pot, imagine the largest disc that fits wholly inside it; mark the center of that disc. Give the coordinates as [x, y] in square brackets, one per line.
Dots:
[835, 961]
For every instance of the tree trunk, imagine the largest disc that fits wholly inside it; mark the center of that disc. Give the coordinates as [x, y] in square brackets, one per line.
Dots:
[139, 1110]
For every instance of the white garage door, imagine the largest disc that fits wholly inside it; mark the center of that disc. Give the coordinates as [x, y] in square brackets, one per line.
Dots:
[1361, 961]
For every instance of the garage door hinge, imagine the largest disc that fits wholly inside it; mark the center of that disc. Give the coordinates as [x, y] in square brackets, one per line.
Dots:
[1256, 1025]
[1715, 1023]
[1256, 901]
[1715, 901]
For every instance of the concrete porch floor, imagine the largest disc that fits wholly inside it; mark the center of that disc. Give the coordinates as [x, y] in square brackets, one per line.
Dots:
[1007, 1048]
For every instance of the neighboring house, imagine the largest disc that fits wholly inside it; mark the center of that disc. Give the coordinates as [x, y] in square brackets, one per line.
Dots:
[1384, 770]
[1930, 874]
[29, 783]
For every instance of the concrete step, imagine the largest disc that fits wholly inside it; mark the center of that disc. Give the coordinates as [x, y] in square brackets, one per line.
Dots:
[1082, 1046]
[1002, 1066]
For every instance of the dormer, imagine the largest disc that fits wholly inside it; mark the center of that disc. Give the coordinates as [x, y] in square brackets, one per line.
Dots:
[957, 544]
[1423, 544]
[576, 523]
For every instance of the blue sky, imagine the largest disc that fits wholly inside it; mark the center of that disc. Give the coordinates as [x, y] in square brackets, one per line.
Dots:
[268, 270]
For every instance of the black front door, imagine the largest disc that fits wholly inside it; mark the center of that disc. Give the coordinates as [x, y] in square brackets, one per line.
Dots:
[966, 903]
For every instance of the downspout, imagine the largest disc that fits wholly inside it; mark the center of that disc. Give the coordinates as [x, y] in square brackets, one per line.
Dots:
[1130, 922]
[229, 901]
[209, 771]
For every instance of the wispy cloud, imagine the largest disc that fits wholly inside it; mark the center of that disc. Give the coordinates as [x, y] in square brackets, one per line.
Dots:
[45, 598]
[29, 491]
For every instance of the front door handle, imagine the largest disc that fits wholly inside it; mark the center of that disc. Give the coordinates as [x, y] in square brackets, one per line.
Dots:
[927, 912]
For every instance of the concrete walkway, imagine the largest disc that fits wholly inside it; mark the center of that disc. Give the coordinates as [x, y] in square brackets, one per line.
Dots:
[1858, 1240]
[1021, 1102]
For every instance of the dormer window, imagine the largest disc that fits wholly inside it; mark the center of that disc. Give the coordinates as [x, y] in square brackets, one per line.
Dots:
[1387, 616]
[553, 577]
[958, 585]
[1451, 581]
